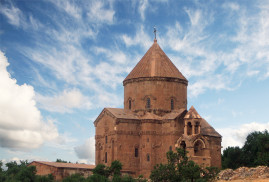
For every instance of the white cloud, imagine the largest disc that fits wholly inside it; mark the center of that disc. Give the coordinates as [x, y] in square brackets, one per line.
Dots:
[143, 4]
[231, 6]
[12, 13]
[86, 150]
[69, 7]
[141, 38]
[64, 102]
[237, 136]
[21, 123]
[99, 13]
[15, 17]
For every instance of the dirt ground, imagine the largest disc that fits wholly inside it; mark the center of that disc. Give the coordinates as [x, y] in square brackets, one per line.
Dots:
[245, 180]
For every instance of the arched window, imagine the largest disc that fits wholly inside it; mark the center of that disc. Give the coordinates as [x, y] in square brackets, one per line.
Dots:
[183, 145]
[130, 104]
[148, 103]
[189, 128]
[170, 148]
[198, 148]
[172, 104]
[148, 157]
[136, 152]
[106, 157]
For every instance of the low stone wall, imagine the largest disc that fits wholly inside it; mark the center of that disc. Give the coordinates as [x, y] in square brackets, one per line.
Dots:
[260, 172]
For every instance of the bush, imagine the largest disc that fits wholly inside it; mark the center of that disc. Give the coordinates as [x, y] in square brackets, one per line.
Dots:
[180, 168]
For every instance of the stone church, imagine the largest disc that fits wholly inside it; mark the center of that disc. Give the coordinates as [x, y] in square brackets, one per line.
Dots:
[154, 120]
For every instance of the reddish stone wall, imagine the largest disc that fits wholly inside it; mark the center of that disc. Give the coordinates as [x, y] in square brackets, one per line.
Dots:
[58, 173]
[105, 140]
[159, 92]
[215, 151]
[44, 169]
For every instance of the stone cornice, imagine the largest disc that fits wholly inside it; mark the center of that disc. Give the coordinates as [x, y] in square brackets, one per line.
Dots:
[167, 79]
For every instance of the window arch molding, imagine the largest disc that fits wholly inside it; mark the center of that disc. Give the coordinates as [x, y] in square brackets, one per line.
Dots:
[199, 140]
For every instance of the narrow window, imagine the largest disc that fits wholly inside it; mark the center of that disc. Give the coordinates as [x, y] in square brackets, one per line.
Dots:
[106, 157]
[106, 139]
[147, 139]
[136, 152]
[197, 128]
[148, 103]
[170, 148]
[172, 104]
[130, 104]
[189, 129]
[148, 157]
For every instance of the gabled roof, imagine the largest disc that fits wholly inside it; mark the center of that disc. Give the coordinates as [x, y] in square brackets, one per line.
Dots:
[155, 63]
[118, 113]
[206, 128]
[66, 165]
[192, 114]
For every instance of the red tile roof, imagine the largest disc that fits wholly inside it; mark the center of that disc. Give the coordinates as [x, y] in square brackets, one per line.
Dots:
[192, 114]
[66, 165]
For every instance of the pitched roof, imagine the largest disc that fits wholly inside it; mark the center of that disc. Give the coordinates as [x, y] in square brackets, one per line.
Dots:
[122, 113]
[192, 114]
[207, 129]
[127, 114]
[66, 165]
[155, 63]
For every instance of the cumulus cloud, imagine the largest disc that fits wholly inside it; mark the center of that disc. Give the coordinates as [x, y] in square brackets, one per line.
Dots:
[237, 136]
[21, 123]
[64, 102]
[86, 151]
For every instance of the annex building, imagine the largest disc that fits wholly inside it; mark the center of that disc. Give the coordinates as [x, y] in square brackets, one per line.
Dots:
[154, 120]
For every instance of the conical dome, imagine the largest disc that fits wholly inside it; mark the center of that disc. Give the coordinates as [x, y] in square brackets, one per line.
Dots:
[155, 84]
[155, 63]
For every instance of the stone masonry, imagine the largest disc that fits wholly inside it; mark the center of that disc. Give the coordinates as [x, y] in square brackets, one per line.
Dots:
[154, 120]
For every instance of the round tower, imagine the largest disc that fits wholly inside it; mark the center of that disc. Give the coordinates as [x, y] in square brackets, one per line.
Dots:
[155, 84]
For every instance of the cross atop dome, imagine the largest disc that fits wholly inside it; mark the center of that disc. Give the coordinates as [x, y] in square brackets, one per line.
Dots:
[155, 32]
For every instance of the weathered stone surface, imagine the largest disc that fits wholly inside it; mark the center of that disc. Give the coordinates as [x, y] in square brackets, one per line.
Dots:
[154, 120]
[61, 170]
[242, 173]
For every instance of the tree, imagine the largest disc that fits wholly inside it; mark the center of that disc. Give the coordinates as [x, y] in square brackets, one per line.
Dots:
[115, 168]
[22, 172]
[180, 168]
[74, 178]
[255, 152]
[232, 157]
[101, 170]
[60, 160]
[256, 149]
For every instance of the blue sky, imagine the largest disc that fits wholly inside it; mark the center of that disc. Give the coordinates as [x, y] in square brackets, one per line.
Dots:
[63, 61]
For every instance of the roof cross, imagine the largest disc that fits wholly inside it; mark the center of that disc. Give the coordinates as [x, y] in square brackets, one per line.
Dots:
[155, 31]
